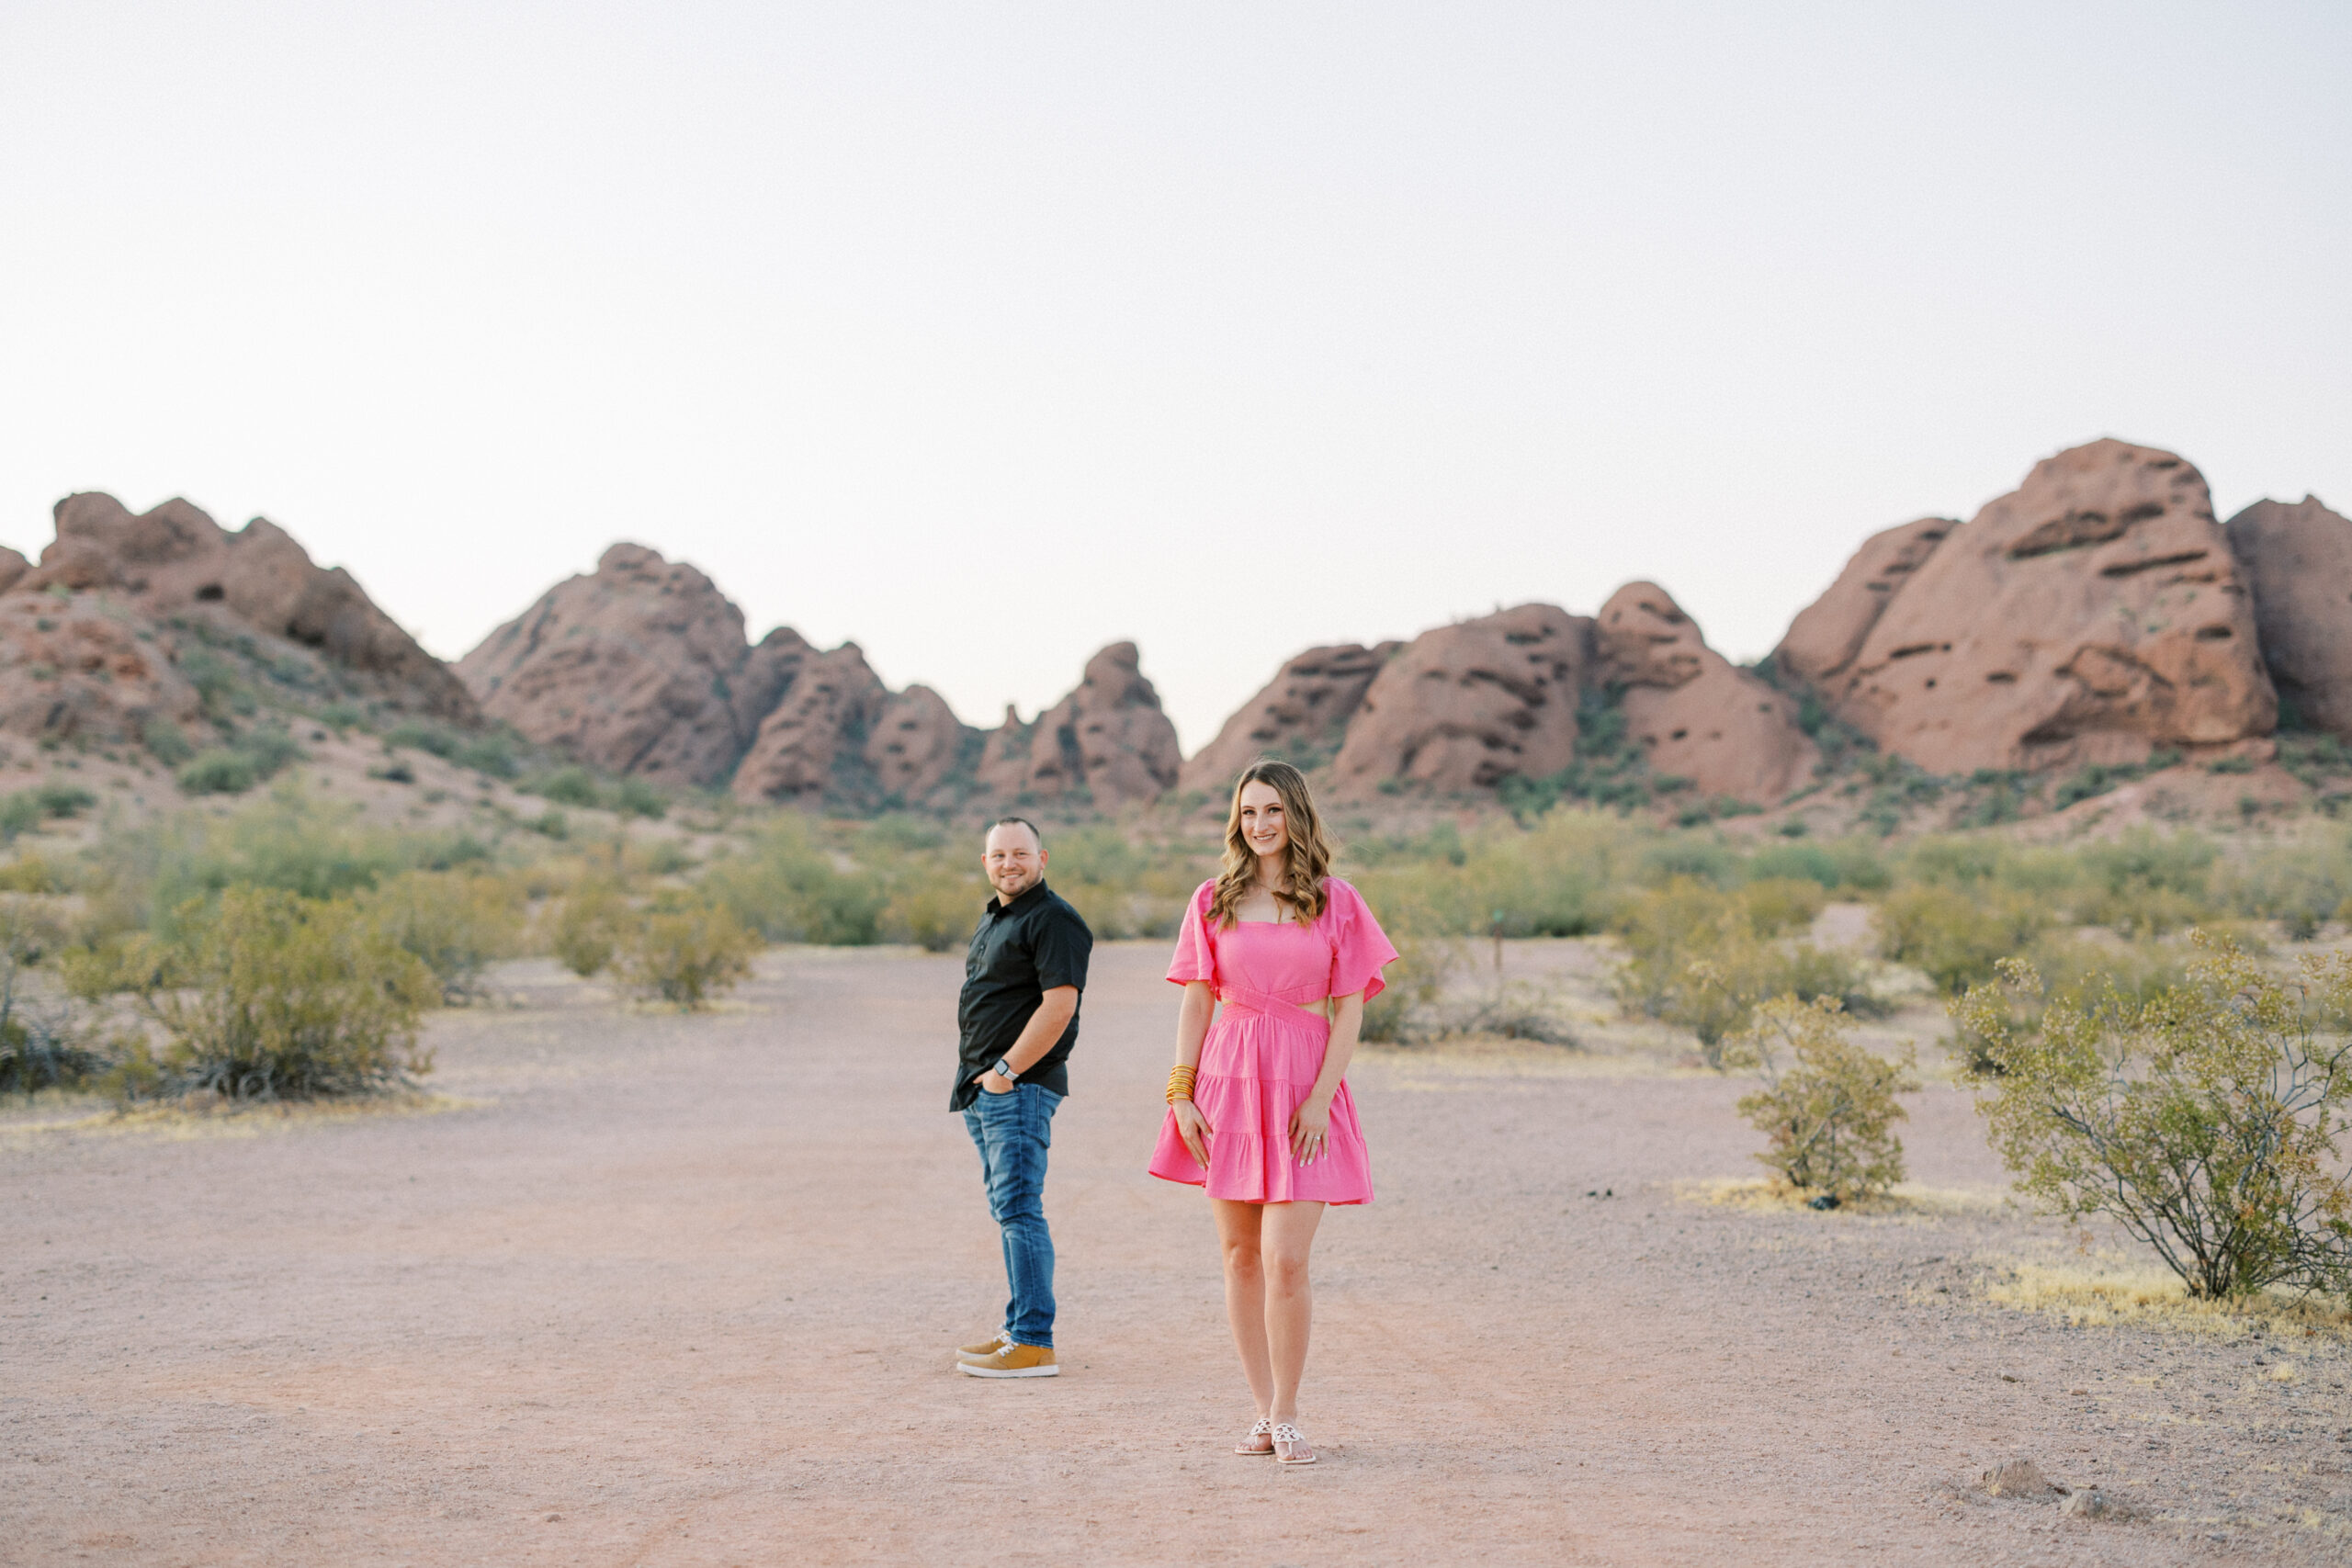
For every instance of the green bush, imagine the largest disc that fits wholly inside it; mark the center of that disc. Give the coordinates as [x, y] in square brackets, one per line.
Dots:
[686, 950]
[59, 799]
[492, 755]
[635, 797]
[589, 925]
[568, 787]
[788, 889]
[457, 925]
[139, 878]
[220, 770]
[417, 735]
[1827, 1107]
[166, 742]
[937, 912]
[20, 814]
[1957, 937]
[1699, 956]
[40, 1046]
[267, 995]
[2204, 1120]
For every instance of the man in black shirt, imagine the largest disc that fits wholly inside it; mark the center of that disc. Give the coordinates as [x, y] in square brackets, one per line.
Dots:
[1018, 1018]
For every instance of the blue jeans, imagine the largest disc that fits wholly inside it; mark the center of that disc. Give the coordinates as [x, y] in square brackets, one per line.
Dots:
[1013, 1132]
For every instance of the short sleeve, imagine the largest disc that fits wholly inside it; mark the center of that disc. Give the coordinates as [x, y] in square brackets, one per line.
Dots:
[1196, 956]
[1060, 950]
[1359, 947]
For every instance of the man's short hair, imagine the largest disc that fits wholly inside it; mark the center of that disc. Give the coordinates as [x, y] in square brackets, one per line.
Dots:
[1019, 822]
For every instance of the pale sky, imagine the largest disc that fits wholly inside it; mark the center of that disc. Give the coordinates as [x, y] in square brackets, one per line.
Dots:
[985, 334]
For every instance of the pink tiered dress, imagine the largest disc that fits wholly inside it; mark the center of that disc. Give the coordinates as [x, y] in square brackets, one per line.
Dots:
[1265, 1049]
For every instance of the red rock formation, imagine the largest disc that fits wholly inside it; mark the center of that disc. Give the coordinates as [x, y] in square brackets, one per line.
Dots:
[638, 667]
[2091, 615]
[1463, 707]
[73, 667]
[1827, 633]
[915, 745]
[1301, 717]
[2297, 560]
[1694, 714]
[805, 746]
[176, 560]
[1108, 738]
[12, 567]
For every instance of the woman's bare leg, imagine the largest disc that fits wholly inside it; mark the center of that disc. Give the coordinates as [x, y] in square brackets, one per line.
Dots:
[1286, 1236]
[1245, 1296]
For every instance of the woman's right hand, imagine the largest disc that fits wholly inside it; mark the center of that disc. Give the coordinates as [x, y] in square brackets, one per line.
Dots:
[1193, 1128]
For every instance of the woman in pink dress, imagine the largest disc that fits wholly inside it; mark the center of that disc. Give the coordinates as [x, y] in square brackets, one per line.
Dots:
[1257, 1110]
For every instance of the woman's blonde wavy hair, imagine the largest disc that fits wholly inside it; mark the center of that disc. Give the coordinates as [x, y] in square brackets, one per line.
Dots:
[1310, 856]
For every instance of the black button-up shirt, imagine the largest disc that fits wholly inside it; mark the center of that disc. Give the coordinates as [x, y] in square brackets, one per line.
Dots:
[1022, 951]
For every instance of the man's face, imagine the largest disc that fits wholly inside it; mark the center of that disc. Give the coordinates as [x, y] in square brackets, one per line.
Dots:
[1013, 860]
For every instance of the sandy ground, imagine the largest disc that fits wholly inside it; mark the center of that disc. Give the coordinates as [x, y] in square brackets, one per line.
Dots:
[684, 1290]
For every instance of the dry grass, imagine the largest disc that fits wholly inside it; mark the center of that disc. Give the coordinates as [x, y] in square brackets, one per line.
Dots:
[210, 1116]
[1766, 1195]
[2088, 1296]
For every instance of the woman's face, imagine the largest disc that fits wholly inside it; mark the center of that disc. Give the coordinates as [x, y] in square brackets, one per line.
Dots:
[1262, 827]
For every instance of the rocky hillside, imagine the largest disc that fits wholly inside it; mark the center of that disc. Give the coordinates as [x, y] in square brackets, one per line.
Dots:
[2097, 623]
[643, 667]
[158, 630]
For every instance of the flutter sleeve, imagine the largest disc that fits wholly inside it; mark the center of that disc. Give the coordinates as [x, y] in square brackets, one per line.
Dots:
[1195, 951]
[1359, 947]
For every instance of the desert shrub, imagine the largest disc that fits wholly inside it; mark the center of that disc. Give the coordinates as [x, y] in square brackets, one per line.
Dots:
[491, 754]
[19, 813]
[1410, 1008]
[1695, 956]
[937, 909]
[220, 770]
[1847, 865]
[568, 787]
[342, 715]
[686, 950]
[2202, 1120]
[2144, 885]
[1778, 904]
[40, 1045]
[1957, 936]
[268, 995]
[1515, 1011]
[29, 873]
[416, 735]
[59, 799]
[1827, 1107]
[142, 876]
[788, 888]
[2301, 883]
[588, 927]
[455, 924]
[166, 742]
[269, 749]
[635, 797]
[550, 824]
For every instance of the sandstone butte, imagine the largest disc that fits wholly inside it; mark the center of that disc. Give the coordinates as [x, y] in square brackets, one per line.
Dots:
[643, 667]
[94, 636]
[2095, 615]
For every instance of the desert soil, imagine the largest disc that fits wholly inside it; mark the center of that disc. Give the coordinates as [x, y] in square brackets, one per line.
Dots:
[669, 1289]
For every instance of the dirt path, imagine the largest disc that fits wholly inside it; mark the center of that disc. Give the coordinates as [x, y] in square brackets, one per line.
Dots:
[683, 1291]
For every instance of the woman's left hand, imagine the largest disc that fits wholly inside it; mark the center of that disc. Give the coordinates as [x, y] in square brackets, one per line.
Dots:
[1310, 1130]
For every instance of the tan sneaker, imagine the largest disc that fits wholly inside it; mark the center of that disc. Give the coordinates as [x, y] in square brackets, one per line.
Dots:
[986, 1348]
[1014, 1361]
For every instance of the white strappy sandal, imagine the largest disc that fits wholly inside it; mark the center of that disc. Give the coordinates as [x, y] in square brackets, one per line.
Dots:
[1264, 1428]
[1288, 1439]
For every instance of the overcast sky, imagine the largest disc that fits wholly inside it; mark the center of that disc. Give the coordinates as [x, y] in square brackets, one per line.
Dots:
[985, 334]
